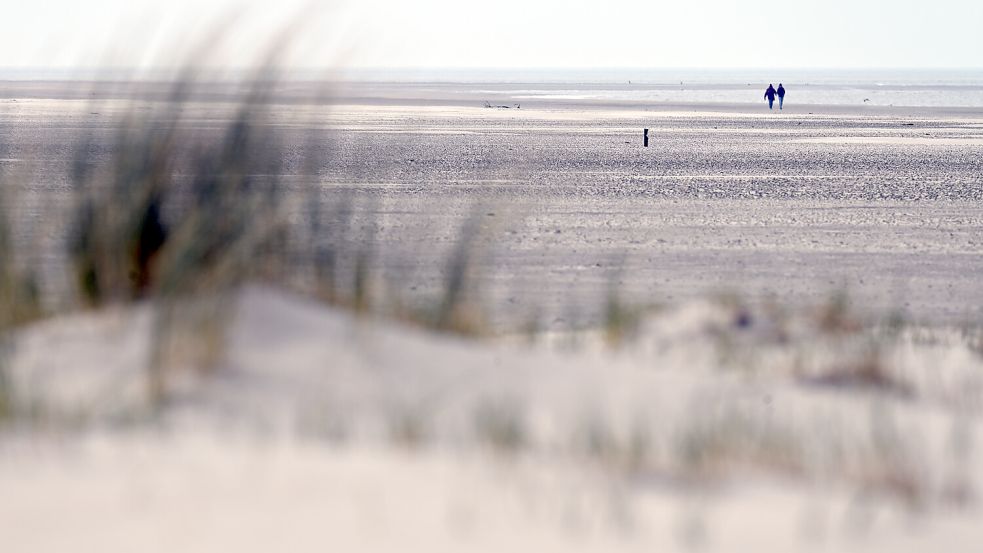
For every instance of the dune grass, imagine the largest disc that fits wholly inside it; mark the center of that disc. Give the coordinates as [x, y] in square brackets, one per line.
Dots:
[182, 217]
[20, 300]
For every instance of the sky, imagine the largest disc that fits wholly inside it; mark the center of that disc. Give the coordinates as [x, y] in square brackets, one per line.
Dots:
[495, 33]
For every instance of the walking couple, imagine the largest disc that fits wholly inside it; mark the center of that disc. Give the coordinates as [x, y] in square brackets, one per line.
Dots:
[771, 93]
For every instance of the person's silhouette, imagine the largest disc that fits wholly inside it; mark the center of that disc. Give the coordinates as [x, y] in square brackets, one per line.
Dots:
[781, 95]
[770, 95]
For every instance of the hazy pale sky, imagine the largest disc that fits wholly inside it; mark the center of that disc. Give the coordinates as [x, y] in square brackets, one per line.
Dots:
[497, 33]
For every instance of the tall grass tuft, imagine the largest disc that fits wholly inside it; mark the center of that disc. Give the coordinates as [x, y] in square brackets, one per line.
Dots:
[175, 211]
[6, 303]
[180, 216]
[458, 310]
[19, 291]
[20, 300]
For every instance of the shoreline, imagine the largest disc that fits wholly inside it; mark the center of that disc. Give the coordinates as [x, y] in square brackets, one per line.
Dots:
[412, 94]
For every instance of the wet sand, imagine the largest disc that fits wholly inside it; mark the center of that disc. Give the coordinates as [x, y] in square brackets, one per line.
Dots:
[795, 207]
[881, 203]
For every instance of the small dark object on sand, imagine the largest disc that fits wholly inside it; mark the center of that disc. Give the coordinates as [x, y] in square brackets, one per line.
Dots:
[743, 319]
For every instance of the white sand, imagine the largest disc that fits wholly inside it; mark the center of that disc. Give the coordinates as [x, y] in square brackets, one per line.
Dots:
[300, 440]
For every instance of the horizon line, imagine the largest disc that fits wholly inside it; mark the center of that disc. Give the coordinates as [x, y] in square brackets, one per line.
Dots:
[342, 74]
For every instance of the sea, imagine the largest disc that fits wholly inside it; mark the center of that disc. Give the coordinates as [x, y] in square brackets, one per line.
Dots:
[873, 87]
[959, 88]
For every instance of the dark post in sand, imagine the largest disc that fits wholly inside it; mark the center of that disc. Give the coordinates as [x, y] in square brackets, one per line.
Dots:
[645, 138]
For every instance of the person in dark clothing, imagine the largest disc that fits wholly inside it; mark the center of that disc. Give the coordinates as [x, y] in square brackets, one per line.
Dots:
[781, 95]
[770, 95]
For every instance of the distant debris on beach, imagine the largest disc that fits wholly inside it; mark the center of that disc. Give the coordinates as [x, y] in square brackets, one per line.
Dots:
[501, 106]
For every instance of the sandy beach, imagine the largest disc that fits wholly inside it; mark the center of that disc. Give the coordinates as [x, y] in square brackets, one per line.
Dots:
[437, 276]
[760, 332]
[880, 203]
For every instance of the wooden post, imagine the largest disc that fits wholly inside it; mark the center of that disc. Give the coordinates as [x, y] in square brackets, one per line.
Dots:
[645, 138]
